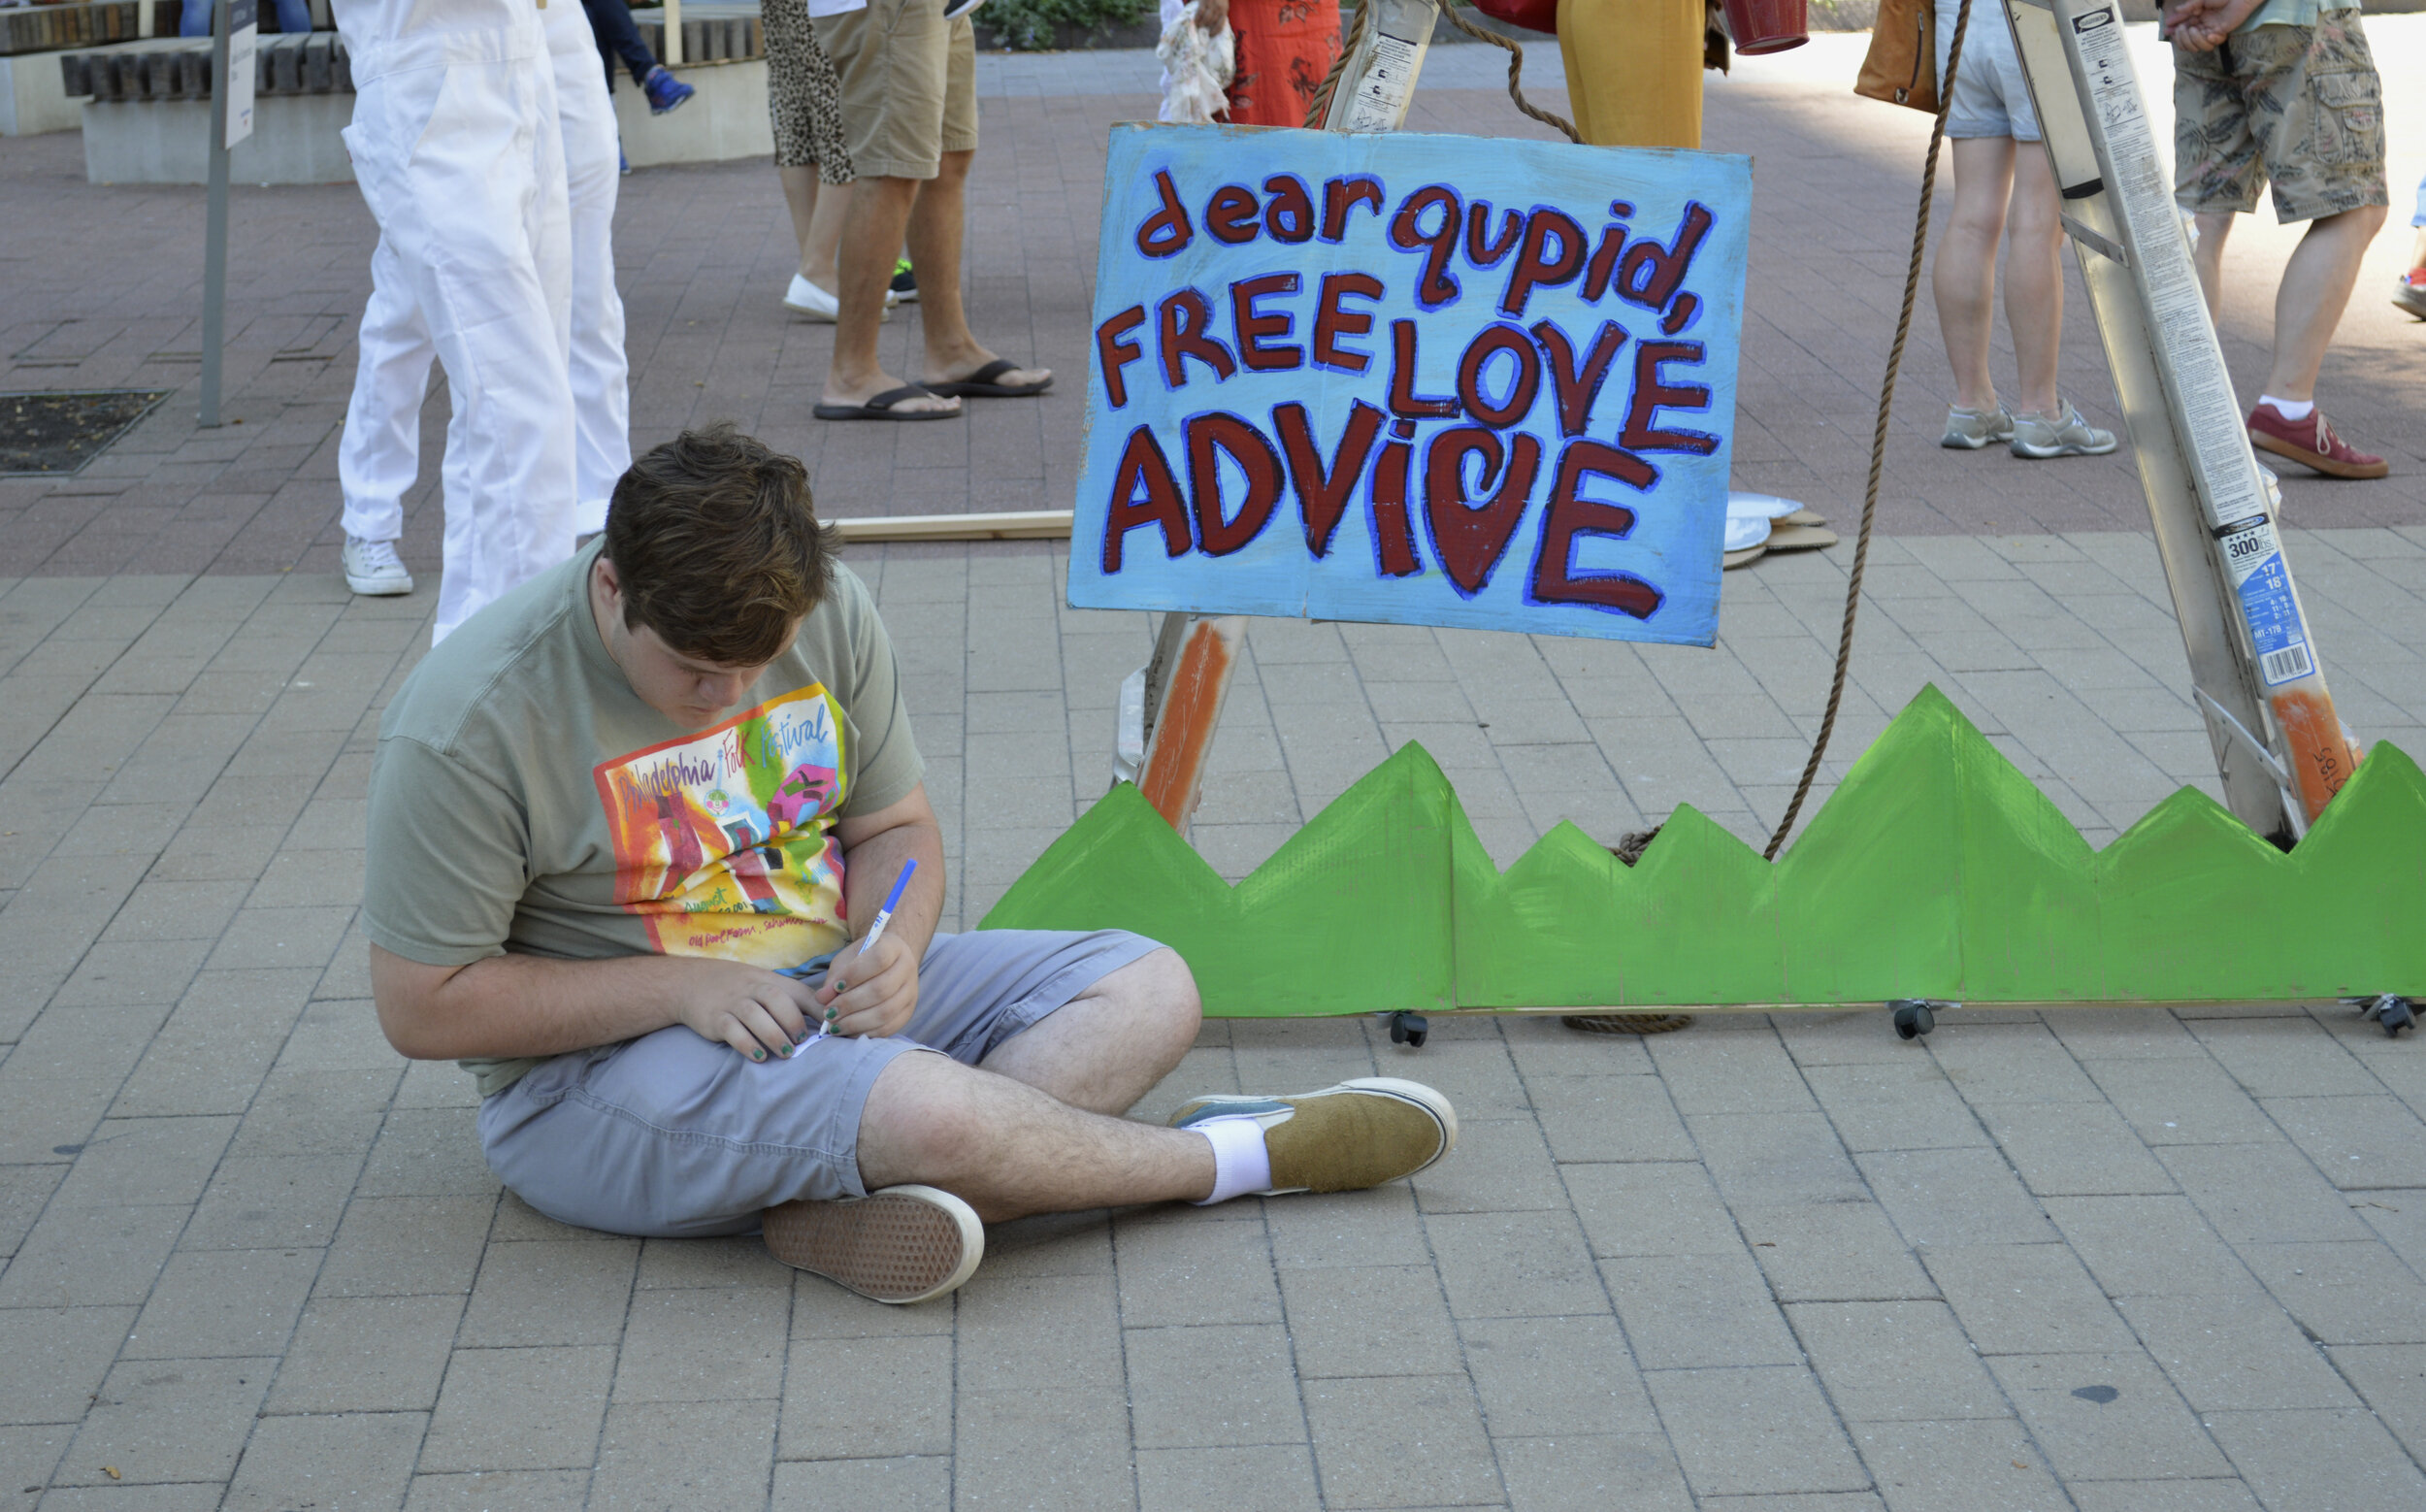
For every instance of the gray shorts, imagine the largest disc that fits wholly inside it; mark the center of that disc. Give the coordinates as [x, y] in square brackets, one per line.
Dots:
[1990, 97]
[675, 1136]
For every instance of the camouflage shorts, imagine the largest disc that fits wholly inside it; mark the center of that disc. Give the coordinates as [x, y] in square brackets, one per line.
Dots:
[2300, 104]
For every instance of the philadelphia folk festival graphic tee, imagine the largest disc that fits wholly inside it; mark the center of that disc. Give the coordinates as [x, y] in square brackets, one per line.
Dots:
[524, 799]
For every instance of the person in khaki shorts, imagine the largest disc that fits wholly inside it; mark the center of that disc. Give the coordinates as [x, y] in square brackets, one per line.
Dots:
[2283, 90]
[909, 108]
[631, 828]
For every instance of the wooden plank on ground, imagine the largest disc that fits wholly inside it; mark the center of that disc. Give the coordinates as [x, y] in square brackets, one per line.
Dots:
[1008, 525]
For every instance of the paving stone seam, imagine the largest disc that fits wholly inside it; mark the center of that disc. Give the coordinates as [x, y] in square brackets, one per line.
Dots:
[2323, 1352]
[1819, 1377]
[1297, 1375]
[89, 683]
[119, 1356]
[1600, 1274]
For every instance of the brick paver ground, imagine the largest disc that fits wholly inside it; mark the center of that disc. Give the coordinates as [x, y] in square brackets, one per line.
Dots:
[2127, 1261]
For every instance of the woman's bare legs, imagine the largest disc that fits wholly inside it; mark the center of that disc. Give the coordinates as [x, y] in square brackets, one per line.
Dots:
[1964, 276]
[2034, 279]
[817, 211]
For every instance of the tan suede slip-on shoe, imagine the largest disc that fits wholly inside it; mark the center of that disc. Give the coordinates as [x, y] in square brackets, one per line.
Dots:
[901, 1245]
[1359, 1134]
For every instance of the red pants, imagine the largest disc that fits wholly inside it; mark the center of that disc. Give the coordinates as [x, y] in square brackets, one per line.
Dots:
[1285, 48]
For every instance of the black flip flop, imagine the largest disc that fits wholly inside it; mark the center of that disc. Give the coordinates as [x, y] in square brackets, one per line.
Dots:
[880, 407]
[981, 383]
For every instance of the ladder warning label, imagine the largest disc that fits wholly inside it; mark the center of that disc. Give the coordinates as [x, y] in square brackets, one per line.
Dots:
[1380, 102]
[2267, 603]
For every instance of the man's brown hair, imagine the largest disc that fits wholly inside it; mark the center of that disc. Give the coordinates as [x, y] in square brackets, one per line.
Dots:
[718, 548]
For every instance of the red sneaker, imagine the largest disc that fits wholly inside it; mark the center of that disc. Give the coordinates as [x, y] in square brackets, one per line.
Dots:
[2311, 443]
[2410, 292]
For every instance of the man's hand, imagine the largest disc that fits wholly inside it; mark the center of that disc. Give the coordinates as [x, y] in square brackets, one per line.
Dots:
[879, 989]
[2202, 25]
[755, 1012]
[1212, 14]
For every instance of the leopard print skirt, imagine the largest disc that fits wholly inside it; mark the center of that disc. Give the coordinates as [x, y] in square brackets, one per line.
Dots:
[802, 95]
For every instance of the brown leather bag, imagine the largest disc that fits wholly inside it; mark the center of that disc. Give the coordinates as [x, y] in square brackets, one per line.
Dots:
[1902, 65]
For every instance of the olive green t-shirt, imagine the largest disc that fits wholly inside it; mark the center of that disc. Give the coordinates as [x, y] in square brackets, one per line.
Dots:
[524, 799]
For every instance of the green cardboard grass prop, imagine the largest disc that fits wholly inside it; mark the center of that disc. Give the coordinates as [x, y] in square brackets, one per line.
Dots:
[1936, 871]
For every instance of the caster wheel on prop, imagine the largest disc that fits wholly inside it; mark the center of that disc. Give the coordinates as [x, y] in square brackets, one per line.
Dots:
[2396, 1013]
[1409, 1030]
[1913, 1019]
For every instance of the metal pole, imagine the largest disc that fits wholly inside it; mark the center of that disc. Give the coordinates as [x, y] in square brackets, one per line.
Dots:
[215, 230]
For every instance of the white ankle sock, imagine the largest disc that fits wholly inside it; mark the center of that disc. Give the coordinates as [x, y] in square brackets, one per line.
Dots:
[1240, 1163]
[2288, 408]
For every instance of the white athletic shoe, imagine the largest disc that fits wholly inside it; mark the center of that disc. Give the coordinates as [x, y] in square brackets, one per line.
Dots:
[2065, 435]
[805, 298]
[371, 568]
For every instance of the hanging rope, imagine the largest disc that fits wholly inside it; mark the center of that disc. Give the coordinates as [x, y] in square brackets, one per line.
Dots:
[1357, 30]
[1515, 70]
[1363, 24]
[1877, 441]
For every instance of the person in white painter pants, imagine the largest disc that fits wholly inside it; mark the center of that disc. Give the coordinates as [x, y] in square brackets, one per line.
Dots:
[458, 148]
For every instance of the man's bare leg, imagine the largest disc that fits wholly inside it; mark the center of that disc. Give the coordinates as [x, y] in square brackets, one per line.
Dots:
[1035, 1128]
[1114, 1042]
[936, 225]
[2315, 288]
[871, 241]
[2208, 258]
[1008, 1150]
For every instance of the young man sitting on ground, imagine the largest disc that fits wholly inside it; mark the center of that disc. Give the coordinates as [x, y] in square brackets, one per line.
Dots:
[628, 828]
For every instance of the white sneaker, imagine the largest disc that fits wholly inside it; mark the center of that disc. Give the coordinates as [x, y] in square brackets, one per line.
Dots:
[373, 568]
[2065, 435]
[805, 298]
[1969, 430]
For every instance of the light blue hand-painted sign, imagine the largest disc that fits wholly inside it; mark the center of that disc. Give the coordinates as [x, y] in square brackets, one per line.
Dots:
[1423, 379]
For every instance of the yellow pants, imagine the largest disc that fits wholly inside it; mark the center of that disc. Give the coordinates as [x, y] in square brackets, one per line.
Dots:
[1633, 70]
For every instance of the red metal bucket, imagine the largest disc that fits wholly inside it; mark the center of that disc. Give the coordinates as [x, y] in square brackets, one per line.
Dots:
[1766, 25]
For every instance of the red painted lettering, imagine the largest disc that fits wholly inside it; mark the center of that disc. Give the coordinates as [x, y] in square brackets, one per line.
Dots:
[1537, 266]
[1488, 343]
[1651, 394]
[1231, 215]
[1220, 431]
[1471, 539]
[1180, 323]
[1323, 493]
[1404, 401]
[1289, 215]
[1342, 195]
[1144, 493]
[1166, 230]
[1435, 287]
[1570, 515]
[1578, 385]
[1334, 320]
[1112, 353]
[1254, 327]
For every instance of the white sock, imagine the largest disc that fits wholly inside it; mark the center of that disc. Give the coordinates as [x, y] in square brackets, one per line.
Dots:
[1240, 1163]
[2287, 409]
